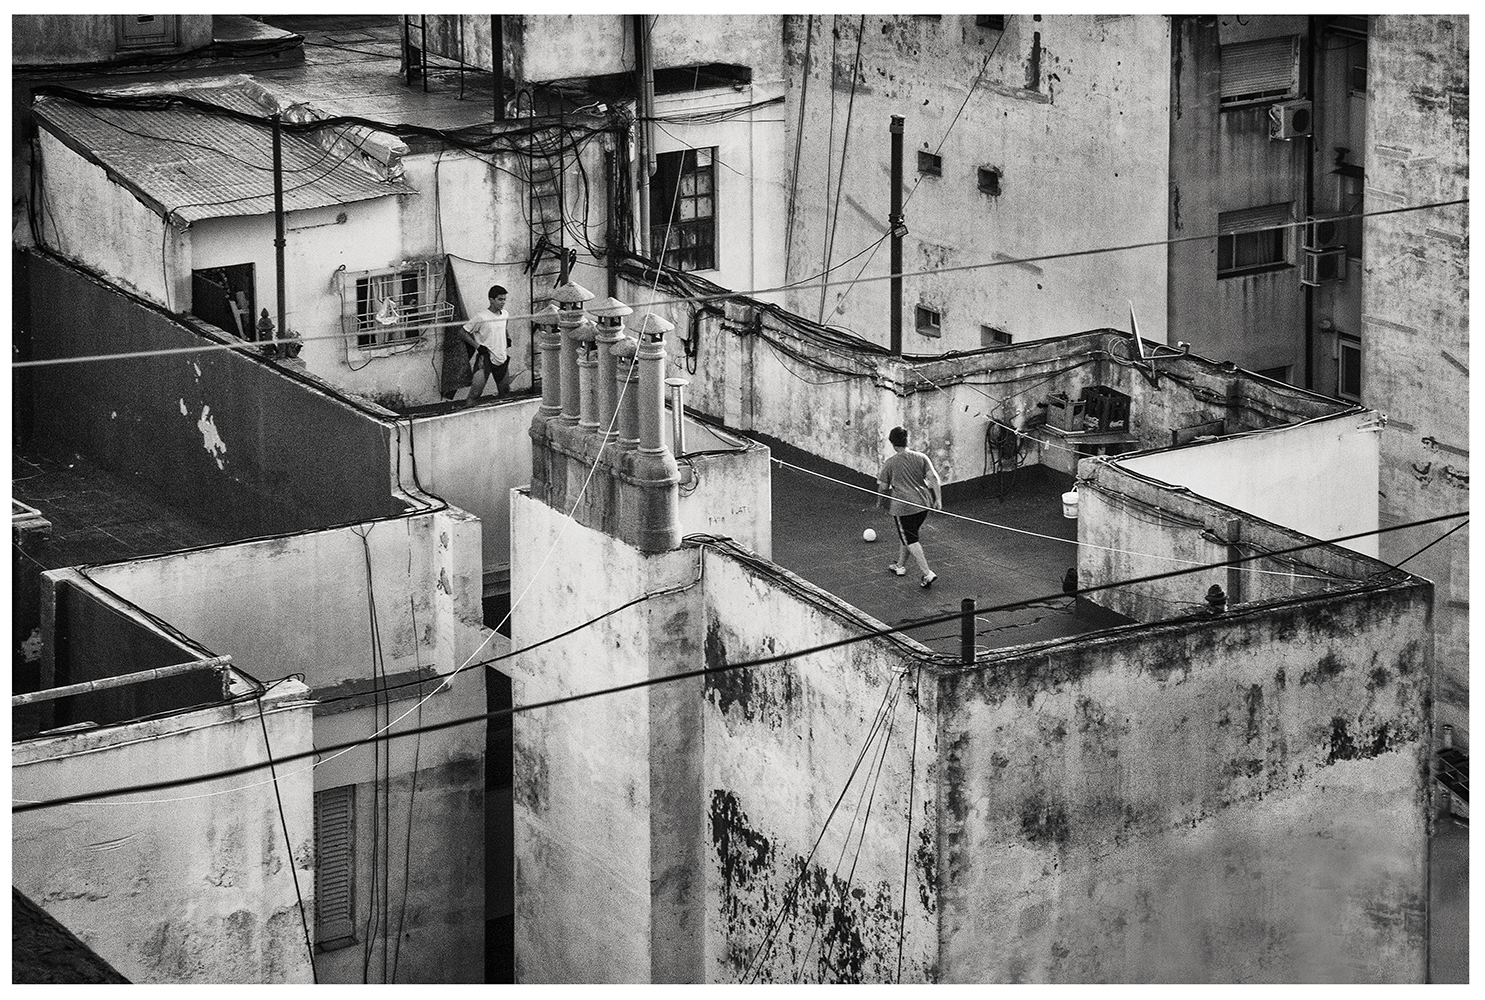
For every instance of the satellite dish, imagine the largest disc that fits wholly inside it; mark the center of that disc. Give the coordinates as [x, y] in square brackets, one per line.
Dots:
[387, 314]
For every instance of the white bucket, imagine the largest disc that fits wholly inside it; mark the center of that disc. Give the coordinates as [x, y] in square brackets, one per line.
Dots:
[1070, 504]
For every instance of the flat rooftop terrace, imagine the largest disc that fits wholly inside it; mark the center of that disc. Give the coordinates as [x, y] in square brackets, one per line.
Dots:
[821, 509]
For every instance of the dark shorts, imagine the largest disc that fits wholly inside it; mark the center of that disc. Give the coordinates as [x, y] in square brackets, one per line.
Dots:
[908, 525]
[482, 360]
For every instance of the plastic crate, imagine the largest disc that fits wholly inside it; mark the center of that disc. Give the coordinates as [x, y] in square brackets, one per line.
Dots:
[1065, 414]
[1105, 409]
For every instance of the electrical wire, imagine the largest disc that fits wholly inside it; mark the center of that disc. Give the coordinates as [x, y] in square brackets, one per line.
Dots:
[21, 806]
[726, 295]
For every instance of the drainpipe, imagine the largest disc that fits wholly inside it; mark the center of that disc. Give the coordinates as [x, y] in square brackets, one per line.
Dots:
[278, 217]
[497, 58]
[894, 219]
[644, 86]
[677, 414]
[1309, 291]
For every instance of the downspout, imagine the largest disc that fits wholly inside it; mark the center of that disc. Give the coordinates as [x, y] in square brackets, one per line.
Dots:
[497, 61]
[1309, 55]
[894, 219]
[644, 86]
[278, 218]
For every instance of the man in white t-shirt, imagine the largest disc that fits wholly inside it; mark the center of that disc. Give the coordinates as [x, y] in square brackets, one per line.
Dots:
[486, 336]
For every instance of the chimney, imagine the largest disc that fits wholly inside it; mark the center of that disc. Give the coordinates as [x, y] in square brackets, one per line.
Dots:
[549, 341]
[570, 299]
[648, 499]
[610, 313]
[626, 392]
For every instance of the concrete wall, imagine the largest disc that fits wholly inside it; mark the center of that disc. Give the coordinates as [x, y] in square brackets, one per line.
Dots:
[187, 885]
[1222, 161]
[302, 605]
[1045, 80]
[38, 39]
[549, 46]
[1415, 330]
[227, 434]
[1130, 526]
[599, 834]
[730, 494]
[88, 217]
[473, 458]
[1317, 478]
[811, 767]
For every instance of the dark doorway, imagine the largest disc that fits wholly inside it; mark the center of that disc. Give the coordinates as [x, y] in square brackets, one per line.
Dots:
[226, 297]
[500, 835]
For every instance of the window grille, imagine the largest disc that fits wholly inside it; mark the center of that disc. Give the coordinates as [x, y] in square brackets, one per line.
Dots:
[335, 867]
[394, 305]
[683, 210]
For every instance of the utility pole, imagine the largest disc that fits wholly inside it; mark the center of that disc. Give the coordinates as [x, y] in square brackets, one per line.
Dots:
[278, 218]
[894, 219]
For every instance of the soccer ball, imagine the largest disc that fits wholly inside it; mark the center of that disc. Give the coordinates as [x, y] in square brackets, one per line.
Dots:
[869, 535]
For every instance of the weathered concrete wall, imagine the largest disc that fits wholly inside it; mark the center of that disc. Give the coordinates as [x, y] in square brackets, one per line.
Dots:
[188, 885]
[605, 823]
[423, 572]
[88, 217]
[223, 432]
[1222, 161]
[811, 766]
[1130, 526]
[37, 39]
[1415, 337]
[731, 495]
[1318, 478]
[473, 458]
[978, 97]
[551, 45]
[1240, 800]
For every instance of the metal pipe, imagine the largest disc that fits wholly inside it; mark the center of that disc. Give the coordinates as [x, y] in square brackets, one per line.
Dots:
[967, 631]
[644, 86]
[218, 663]
[278, 218]
[894, 219]
[497, 61]
[677, 414]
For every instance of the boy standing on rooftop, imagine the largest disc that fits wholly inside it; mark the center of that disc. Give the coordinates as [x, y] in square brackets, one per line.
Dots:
[909, 488]
[486, 336]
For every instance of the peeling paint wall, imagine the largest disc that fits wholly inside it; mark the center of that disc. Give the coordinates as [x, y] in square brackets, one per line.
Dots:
[198, 890]
[253, 466]
[1415, 311]
[550, 45]
[1072, 112]
[1243, 800]
[39, 39]
[595, 847]
[810, 767]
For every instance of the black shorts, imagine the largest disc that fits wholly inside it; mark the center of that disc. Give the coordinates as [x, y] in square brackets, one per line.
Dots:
[483, 360]
[908, 525]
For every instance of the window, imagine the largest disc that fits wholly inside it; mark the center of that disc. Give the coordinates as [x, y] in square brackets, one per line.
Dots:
[385, 301]
[995, 22]
[335, 867]
[1253, 240]
[1348, 377]
[992, 336]
[1259, 72]
[928, 322]
[930, 163]
[683, 216]
[989, 180]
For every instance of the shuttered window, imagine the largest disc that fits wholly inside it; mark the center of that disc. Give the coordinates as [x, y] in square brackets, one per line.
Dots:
[335, 867]
[1253, 239]
[1265, 70]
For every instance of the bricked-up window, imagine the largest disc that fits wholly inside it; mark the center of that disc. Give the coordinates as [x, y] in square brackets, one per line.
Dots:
[335, 867]
[683, 209]
[1262, 71]
[1253, 239]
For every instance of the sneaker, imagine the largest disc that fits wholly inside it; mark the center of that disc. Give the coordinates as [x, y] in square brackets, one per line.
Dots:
[897, 570]
[927, 581]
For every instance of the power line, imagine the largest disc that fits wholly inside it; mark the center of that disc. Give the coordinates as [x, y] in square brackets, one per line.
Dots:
[725, 295]
[31, 805]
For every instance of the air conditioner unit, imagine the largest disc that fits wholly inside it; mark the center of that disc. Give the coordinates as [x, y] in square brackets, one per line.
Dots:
[1324, 232]
[1288, 119]
[1322, 267]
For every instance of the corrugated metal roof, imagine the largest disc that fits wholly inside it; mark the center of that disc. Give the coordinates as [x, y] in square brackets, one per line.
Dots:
[196, 165]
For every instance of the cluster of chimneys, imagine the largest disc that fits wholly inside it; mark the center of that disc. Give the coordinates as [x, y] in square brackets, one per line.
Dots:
[598, 451]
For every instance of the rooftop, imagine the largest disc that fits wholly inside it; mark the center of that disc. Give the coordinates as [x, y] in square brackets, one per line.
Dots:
[817, 534]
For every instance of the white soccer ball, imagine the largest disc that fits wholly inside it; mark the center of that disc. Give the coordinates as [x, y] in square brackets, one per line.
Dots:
[869, 535]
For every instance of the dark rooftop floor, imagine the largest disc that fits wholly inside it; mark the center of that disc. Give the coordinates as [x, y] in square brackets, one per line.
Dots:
[97, 516]
[817, 533]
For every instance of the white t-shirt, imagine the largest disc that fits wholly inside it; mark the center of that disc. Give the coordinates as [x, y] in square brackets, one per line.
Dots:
[489, 331]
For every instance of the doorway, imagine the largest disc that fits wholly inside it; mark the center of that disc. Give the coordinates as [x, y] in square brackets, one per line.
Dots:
[226, 296]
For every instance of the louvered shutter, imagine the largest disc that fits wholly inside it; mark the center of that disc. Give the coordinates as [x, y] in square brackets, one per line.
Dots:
[1248, 220]
[1263, 69]
[335, 865]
